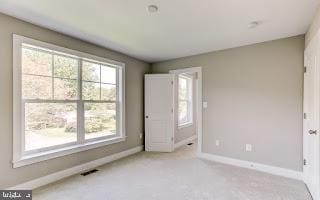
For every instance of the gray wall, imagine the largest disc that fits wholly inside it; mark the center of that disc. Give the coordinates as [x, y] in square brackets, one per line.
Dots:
[135, 70]
[314, 27]
[254, 95]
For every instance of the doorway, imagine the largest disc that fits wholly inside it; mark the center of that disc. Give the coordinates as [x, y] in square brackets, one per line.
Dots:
[187, 106]
[165, 127]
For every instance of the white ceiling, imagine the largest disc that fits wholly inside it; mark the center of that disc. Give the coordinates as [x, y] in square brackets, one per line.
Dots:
[180, 27]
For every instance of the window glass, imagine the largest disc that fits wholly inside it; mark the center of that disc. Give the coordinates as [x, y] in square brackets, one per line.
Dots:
[36, 87]
[108, 74]
[50, 124]
[184, 100]
[36, 62]
[108, 92]
[100, 119]
[90, 71]
[183, 112]
[90, 91]
[65, 67]
[65, 88]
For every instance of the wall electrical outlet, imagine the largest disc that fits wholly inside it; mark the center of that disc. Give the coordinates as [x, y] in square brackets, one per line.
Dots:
[217, 142]
[248, 147]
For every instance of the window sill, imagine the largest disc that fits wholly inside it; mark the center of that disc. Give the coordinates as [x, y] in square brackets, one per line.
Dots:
[186, 125]
[42, 156]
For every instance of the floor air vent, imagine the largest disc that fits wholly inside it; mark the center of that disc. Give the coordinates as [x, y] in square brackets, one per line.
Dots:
[89, 172]
[190, 144]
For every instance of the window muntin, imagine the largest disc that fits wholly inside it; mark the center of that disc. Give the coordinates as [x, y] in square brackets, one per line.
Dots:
[61, 104]
[98, 82]
[184, 100]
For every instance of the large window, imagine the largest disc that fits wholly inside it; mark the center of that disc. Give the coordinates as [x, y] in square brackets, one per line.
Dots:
[65, 101]
[185, 100]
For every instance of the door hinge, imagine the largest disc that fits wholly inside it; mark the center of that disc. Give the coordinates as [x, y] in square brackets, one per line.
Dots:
[172, 110]
[171, 82]
[304, 115]
[304, 162]
[171, 138]
[305, 69]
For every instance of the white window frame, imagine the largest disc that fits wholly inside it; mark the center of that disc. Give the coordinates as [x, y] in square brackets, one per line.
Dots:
[189, 101]
[20, 156]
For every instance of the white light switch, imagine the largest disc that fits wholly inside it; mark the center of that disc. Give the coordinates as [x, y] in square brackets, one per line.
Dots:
[248, 147]
[217, 142]
[205, 104]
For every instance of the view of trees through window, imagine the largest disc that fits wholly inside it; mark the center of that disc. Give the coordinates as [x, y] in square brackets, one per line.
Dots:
[51, 94]
[184, 100]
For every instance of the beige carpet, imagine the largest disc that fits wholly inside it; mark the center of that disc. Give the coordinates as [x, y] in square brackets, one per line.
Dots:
[177, 176]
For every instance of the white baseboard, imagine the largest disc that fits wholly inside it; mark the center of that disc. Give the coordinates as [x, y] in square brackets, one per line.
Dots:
[255, 166]
[30, 185]
[185, 141]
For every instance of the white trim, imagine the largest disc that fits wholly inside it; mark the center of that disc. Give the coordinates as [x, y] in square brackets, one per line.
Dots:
[30, 185]
[198, 71]
[74, 53]
[156, 75]
[185, 141]
[185, 125]
[20, 156]
[47, 155]
[252, 165]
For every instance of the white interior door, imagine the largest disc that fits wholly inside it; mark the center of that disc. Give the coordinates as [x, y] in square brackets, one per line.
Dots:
[311, 119]
[159, 113]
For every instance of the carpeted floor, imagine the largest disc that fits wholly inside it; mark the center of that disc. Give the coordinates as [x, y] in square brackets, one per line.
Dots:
[173, 176]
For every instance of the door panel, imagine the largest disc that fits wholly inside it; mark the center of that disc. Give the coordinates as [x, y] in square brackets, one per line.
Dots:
[311, 120]
[159, 135]
[159, 121]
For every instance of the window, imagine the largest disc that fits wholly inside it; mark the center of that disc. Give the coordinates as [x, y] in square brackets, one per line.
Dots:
[185, 100]
[64, 101]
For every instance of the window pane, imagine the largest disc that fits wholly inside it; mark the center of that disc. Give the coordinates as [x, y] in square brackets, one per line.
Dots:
[182, 83]
[183, 88]
[36, 62]
[65, 67]
[185, 100]
[183, 112]
[90, 91]
[90, 71]
[108, 74]
[100, 119]
[108, 92]
[36, 87]
[49, 124]
[65, 88]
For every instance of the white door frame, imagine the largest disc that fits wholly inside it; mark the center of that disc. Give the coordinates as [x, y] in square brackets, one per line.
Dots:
[197, 70]
[313, 47]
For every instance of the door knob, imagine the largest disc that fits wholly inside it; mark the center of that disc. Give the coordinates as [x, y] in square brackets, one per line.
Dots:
[147, 116]
[313, 132]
